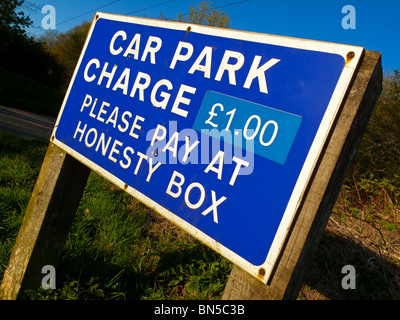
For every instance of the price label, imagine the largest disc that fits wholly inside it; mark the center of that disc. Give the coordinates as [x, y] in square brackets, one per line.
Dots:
[265, 131]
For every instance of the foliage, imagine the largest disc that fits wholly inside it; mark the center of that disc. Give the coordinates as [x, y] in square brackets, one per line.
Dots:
[11, 19]
[21, 53]
[66, 48]
[205, 14]
[379, 151]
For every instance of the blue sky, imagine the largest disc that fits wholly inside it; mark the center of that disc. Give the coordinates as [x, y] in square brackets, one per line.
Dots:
[377, 22]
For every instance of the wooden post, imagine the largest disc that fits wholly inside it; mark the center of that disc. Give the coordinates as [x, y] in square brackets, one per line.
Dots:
[317, 204]
[48, 219]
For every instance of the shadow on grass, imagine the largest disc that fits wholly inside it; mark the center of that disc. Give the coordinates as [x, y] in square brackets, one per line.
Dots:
[376, 277]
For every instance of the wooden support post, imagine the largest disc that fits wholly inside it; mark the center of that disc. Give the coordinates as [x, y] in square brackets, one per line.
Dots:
[315, 209]
[47, 222]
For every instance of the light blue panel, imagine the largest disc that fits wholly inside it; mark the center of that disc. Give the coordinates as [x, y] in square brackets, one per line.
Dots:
[259, 129]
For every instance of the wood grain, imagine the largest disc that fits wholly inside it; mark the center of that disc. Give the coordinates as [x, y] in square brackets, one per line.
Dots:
[47, 221]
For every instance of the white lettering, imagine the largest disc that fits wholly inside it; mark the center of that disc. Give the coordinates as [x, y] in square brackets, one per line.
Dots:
[239, 164]
[152, 50]
[181, 57]
[173, 140]
[136, 126]
[218, 157]
[214, 206]
[259, 72]
[135, 42]
[128, 159]
[126, 123]
[201, 198]
[94, 61]
[85, 103]
[179, 184]
[113, 117]
[90, 144]
[180, 99]
[206, 68]
[158, 137]
[104, 104]
[140, 86]
[141, 157]
[104, 146]
[231, 68]
[188, 148]
[114, 51]
[163, 103]
[114, 150]
[123, 81]
[106, 74]
[79, 130]
[152, 169]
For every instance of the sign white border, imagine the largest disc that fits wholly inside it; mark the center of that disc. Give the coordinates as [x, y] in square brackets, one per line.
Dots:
[261, 272]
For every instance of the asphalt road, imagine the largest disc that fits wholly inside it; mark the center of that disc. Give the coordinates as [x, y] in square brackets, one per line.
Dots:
[25, 123]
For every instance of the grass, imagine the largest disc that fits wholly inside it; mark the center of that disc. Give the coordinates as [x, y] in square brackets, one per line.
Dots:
[117, 248]
[120, 249]
[24, 93]
[363, 231]
[20, 160]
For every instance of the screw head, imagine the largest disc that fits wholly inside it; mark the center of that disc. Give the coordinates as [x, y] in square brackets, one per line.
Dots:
[350, 55]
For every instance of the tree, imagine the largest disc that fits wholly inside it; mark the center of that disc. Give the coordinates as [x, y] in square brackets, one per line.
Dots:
[205, 14]
[21, 53]
[380, 147]
[12, 19]
[66, 48]
[12, 27]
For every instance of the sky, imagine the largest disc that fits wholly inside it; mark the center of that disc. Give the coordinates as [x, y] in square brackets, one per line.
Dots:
[376, 24]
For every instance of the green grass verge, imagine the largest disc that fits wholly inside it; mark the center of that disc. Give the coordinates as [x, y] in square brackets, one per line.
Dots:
[27, 94]
[117, 248]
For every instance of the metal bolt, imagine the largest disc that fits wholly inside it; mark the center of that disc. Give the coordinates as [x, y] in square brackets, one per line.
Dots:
[350, 55]
[261, 272]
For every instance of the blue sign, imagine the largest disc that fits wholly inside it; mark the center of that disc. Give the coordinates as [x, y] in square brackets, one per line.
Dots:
[215, 129]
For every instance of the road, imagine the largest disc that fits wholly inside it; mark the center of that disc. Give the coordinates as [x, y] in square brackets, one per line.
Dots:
[25, 123]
